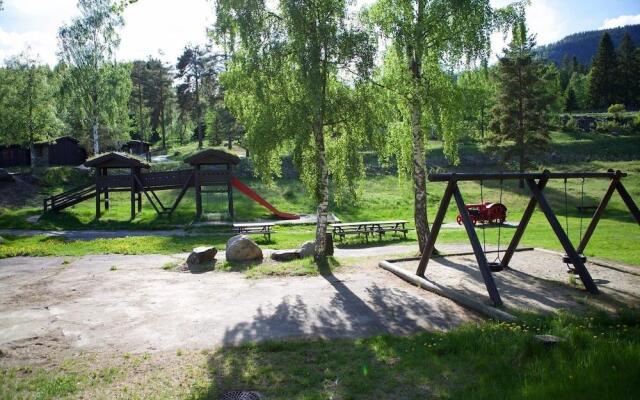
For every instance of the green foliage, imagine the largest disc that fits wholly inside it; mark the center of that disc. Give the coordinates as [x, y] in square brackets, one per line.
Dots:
[616, 110]
[27, 110]
[95, 89]
[519, 123]
[570, 100]
[283, 85]
[603, 82]
[571, 125]
[629, 73]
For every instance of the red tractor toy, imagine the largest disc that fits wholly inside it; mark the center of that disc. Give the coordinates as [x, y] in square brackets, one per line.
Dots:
[487, 213]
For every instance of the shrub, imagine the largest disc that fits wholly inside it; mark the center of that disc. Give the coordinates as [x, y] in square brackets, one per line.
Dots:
[616, 110]
[571, 125]
[612, 127]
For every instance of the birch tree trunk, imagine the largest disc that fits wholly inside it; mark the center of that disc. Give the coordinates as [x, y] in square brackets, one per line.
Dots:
[96, 139]
[419, 175]
[323, 191]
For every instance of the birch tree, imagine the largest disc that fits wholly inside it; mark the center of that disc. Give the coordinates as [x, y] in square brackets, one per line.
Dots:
[428, 39]
[283, 84]
[87, 46]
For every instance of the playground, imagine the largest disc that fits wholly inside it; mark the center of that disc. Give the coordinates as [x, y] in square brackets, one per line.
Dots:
[108, 299]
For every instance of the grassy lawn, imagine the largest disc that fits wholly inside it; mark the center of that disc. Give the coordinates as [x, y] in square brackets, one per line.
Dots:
[598, 359]
[383, 197]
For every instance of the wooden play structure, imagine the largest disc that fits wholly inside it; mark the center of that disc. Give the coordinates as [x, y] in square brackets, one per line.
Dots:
[536, 183]
[211, 172]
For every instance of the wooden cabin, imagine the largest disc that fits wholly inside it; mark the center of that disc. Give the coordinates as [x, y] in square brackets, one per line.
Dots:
[138, 147]
[14, 156]
[64, 150]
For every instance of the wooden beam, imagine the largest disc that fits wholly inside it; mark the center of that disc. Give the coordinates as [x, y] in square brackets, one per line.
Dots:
[477, 248]
[184, 189]
[198, 191]
[563, 238]
[597, 214]
[631, 205]
[427, 252]
[522, 226]
[97, 193]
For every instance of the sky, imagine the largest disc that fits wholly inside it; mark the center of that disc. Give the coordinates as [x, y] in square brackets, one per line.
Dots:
[162, 28]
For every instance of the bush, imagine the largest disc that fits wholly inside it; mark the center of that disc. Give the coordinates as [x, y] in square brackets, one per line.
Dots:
[616, 110]
[63, 176]
[612, 127]
[571, 125]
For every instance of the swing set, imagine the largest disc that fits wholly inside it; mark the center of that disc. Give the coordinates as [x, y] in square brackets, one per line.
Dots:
[536, 183]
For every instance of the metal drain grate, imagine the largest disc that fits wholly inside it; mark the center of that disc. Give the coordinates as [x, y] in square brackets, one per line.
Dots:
[242, 395]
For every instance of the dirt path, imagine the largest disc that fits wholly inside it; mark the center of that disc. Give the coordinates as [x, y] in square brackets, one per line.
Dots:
[129, 303]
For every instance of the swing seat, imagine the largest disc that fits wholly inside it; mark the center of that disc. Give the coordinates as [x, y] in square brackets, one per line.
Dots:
[495, 266]
[567, 260]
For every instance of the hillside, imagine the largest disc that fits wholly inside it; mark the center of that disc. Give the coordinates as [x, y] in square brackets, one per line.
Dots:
[584, 45]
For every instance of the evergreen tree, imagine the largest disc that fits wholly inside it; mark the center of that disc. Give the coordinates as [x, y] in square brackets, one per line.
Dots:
[570, 100]
[602, 78]
[629, 73]
[519, 122]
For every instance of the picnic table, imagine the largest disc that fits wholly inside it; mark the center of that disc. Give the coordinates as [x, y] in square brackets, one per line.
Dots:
[367, 228]
[260, 228]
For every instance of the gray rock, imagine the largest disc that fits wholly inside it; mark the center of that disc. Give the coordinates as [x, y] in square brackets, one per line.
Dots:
[548, 340]
[242, 248]
[307, 249]
[285, 255]
[201, 255]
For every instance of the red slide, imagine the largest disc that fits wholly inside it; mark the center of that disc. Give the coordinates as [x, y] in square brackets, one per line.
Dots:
[246, 190]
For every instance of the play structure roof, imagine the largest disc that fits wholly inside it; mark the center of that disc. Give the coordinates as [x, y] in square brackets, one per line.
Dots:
[212, 156]
[115, 160]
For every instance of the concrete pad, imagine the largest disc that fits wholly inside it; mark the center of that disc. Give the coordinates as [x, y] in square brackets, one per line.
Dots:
[537, 281]
[128, 303]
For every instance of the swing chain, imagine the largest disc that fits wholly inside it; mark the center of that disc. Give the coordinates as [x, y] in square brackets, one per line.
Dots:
[498, 259]
[581, 207]
[484, 237]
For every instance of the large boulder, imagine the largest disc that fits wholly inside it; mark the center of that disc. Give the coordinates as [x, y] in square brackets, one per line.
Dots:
[285, 255]
[201, 255]
[242, 248]
[307, 249]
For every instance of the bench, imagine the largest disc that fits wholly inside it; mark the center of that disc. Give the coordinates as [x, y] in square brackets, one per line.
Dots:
[367, 228]
[259, 228]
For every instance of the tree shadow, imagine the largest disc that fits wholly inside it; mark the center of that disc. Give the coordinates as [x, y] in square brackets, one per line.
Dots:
[352, 311]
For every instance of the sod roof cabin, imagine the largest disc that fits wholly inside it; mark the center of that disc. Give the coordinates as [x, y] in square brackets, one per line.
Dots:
[212, 157]
[115, 160]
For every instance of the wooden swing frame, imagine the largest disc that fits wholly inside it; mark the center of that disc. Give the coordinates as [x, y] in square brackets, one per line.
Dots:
[536, 183]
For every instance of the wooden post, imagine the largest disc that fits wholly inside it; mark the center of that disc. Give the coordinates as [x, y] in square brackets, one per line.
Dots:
[522, 226]
[562, 237]
[105, 172]
[477, 248]
[435, 229]
[133, 194]
[598, 214]
[198, 192]
[631, 205]
[98, 193]
[230, 189]
[139, 190]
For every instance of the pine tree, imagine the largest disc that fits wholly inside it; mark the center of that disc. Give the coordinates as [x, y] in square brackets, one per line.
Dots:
[570, 100]
[519, 120]
[603, 76]
[628, 72]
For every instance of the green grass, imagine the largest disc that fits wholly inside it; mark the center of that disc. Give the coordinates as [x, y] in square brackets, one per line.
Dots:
[56, 246]
[383, 197]
[599, 358]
